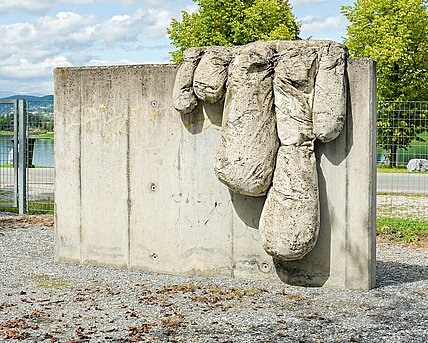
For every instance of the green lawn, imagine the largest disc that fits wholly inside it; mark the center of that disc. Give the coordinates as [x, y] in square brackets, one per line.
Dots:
[43, 135]
[403, 230]
[46, 135]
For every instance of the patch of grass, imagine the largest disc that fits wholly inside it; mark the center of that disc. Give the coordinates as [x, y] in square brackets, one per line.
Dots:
[403, 230]
[415, 195]
[45, 135]
[43, 167]
[396, 170]
[8, 209]
[41, 207]
[8, 165]
[47, 281]
[32, 208]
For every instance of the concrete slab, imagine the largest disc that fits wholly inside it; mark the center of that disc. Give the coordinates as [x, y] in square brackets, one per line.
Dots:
[136, 188]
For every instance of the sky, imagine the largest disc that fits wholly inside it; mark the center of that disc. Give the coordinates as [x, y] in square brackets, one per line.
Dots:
[39, 35]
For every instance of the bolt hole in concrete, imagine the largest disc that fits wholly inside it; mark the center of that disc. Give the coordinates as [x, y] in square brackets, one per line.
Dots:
[265, 267]
[152, 187]
[154, 256]
[154, 103]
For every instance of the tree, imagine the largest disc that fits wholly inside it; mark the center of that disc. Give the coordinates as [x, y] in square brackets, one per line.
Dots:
[232, 22]
[394, 33]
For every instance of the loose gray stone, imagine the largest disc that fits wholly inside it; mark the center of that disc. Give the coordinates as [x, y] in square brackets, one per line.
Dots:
[64, 302]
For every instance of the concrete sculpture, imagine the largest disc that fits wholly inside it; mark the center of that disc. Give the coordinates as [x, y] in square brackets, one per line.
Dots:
[279, 97]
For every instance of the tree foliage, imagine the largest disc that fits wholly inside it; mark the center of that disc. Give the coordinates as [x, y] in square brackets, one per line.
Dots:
[232, 22]
[395, 34]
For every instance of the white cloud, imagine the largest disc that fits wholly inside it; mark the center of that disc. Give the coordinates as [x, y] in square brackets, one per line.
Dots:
[295, 3]
[43, 6]
[148, 3]
[21, 68]
[30, 50]
[100, 62]
[71, 32]
[36, 7]
[45, 37]
[158, 21]
[191, 8]
[316, 24]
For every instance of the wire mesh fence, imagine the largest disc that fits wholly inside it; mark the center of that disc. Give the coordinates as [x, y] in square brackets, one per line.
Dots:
[402, 153]
[402, 137]
[40, 155]
[7, 173]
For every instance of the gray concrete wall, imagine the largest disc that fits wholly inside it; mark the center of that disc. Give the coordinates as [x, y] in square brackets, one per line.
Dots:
[135, 185]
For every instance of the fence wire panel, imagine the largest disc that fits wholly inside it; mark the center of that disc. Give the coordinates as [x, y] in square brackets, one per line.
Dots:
[7, 175]
[40, 155]
[402, 153]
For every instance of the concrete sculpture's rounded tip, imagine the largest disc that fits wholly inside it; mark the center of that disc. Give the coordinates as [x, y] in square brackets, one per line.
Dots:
[284, 251]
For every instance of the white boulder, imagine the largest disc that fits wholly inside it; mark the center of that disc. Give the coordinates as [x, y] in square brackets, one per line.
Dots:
[417, 165]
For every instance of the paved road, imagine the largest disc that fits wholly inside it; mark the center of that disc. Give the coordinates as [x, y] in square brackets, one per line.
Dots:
[386, 182]
[402, 183]
[34, 176]
[40, 183]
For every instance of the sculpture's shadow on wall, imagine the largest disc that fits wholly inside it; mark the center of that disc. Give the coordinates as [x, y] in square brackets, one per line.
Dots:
[248, 208]
[204, 114]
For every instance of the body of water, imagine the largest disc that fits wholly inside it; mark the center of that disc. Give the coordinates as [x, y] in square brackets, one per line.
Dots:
[43, 155]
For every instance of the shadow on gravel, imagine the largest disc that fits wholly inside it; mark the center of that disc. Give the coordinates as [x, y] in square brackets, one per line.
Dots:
[393, 273]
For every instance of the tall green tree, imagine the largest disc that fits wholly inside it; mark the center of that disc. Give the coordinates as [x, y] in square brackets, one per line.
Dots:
[395, 34]
[232, 22]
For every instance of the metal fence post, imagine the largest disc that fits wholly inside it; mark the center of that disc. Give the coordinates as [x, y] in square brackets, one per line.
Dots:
[15, 154]
[22, 156]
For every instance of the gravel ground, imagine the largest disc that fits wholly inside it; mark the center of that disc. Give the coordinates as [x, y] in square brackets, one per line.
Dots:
[46, 302]
[408, 206]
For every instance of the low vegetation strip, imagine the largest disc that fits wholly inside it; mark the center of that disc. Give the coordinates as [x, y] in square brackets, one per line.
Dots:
[403, 230]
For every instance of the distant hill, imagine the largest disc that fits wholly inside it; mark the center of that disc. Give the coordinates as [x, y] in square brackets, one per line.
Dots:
[4, 94]
[31, 97]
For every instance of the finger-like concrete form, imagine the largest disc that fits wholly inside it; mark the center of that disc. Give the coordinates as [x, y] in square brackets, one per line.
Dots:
[278, 94]
[293, 88]
[185, 100]
[246, 155]
[289, 222]
[211, 74]
[330, 93]
[309, 89]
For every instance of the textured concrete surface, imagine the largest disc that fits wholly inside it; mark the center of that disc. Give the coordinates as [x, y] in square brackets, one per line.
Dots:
[279, 94]
[135, 186]
[245, 158]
